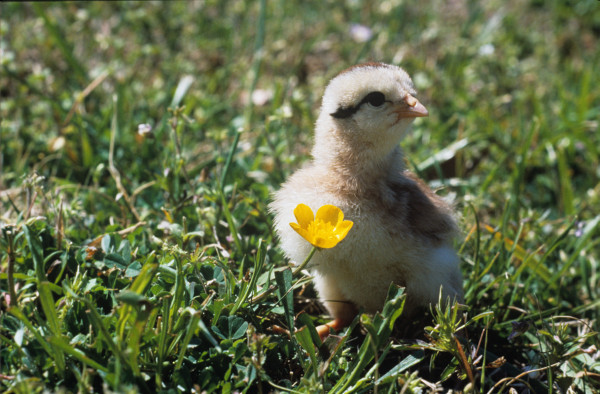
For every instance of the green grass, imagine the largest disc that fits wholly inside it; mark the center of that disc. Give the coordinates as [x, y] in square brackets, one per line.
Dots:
[133, 262]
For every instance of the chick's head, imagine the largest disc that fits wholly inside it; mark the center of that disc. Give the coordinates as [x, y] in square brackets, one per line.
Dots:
[366, 110]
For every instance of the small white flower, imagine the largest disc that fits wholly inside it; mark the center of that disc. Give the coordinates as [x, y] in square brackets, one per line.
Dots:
[261, 96]
[360, 33]
[144, 128]
[486, 50]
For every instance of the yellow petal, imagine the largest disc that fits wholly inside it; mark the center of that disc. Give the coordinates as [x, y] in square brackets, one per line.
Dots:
[304, 233]
[342, 229]
[330, 214]
[296, 227]
[325, 242]
[304, 215]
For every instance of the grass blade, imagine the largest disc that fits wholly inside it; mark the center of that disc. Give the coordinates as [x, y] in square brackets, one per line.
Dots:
[60, 344]
[582, 243]
[59, 39]
[182, 88]
[250, 287]
[48, 306]
[284, 285]
[36, 254]
[33, 329]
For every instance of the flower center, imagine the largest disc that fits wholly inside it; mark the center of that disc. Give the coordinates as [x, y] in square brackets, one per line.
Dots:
[320, 228]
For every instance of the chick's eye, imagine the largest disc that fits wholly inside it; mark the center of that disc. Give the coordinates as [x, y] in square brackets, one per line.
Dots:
[376, 99]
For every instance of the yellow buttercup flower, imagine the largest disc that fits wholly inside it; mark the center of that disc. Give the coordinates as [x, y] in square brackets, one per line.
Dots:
[325, 230]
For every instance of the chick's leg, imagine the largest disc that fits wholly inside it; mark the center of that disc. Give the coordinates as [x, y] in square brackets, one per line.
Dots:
[335, 325]
[342, 311]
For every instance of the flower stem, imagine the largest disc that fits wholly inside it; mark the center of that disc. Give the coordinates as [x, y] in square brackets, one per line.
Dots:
[295, 272]
[9, 236]
[305, 262]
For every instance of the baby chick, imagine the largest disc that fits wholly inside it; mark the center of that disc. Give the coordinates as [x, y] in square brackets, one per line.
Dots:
[402, 231]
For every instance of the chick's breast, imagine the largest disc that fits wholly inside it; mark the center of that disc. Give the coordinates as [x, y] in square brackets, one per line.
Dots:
[382, 247]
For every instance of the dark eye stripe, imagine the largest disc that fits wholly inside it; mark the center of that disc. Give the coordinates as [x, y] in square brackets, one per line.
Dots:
[342, 113]
[376, 99]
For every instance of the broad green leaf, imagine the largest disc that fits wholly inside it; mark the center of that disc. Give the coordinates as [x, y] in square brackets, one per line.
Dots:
[407, 362]
[234, 327]
[286, 295]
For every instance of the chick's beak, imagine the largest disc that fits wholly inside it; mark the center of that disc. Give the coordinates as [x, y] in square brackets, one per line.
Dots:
[410, 107]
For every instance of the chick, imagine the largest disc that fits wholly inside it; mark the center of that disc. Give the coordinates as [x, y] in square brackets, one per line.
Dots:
[402, 233]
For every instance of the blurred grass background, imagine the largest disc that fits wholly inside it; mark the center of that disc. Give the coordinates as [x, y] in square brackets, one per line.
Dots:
[209, 106]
